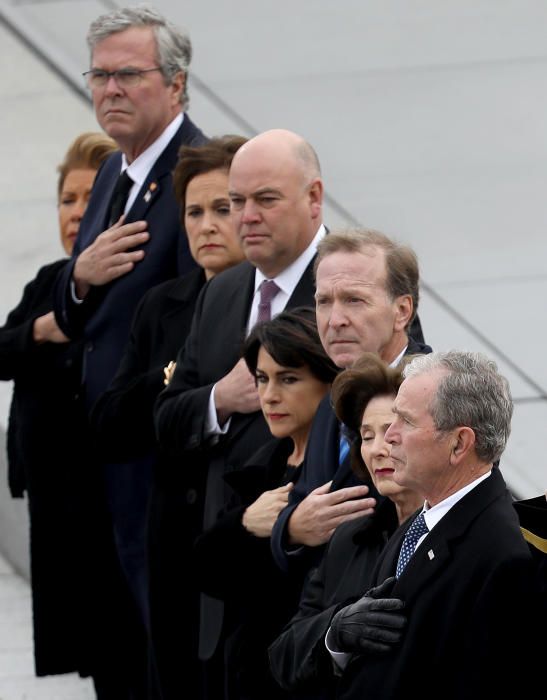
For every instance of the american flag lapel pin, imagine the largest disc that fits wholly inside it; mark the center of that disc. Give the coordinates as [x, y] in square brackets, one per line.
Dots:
[431, 554]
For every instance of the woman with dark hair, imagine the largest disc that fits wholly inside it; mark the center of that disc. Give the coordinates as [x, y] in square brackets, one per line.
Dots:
[47, 427]
[169, 516]
[363, 399]
[293, 374]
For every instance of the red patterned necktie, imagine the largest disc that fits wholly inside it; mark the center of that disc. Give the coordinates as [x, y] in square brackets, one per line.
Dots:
[268, 290]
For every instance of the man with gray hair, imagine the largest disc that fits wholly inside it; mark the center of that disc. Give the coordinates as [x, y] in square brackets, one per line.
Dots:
[459, 571]
[130, 239]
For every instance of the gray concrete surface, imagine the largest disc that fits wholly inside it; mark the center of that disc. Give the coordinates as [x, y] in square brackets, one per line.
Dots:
[17, 681]
[428, 118]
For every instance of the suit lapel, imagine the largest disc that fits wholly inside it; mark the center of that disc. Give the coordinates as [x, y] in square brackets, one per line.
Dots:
[97, 214]
[187, 134]
[437, 549]
[304, 291]
[183, 294]
[154, 182]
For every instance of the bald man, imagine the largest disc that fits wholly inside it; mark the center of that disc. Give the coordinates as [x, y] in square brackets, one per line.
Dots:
[209, 414]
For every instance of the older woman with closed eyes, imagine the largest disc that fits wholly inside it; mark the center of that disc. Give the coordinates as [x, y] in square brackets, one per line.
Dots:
[363, 398]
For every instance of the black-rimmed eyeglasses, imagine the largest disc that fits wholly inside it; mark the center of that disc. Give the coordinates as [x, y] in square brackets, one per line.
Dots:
[124, 77]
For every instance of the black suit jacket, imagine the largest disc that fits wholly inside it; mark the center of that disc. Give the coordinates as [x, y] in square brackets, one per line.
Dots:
[299, 658]
[122, 420]
[104, 318]
[321, 464]
[470, 602]
[123, 429]
[211, 351]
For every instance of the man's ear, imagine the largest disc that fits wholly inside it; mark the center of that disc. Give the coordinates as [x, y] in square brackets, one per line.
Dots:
[315, 195]
[463, 441]
[177, 87]
[404, 308]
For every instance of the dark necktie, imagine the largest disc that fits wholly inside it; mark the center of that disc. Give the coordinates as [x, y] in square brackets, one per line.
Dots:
[268, 290]
[413, 534]
[119, 197]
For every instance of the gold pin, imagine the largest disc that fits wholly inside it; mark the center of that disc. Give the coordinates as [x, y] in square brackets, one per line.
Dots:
[152, 187]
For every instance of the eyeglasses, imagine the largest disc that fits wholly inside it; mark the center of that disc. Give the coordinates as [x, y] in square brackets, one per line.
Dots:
[124, 77]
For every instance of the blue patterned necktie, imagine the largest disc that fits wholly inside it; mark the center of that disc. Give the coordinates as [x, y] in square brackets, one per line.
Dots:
[344, 449]
[344, 444]
[413, 534]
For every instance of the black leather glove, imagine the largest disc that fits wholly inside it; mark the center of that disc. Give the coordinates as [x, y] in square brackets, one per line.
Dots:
[371, 624]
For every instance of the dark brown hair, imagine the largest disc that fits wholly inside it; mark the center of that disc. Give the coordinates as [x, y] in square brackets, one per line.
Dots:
[86, 152]
[354, 388]
[291, 338]
[216, 154]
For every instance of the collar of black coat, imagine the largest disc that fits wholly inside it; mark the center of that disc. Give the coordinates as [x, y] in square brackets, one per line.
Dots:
[383, 520]
[262, 471]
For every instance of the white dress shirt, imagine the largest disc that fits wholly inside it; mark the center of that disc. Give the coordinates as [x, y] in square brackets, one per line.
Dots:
[287, 282]
[138, 170]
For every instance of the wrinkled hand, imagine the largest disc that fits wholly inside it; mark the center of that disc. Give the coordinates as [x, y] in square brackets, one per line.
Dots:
[316, 517]
[259, 518]
[374, 623]
[236, 393]
[109, 256]
[46, 330]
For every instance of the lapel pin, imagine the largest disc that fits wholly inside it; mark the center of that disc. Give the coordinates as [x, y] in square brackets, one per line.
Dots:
[431, 554]
[151, 188]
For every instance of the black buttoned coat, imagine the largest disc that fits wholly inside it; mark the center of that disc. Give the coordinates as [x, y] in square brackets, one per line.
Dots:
[123, 428]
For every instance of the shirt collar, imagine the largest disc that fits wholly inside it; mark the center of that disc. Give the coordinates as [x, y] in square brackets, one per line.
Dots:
[435, 513]
[290, 276]
[138, 170]
[399, 357]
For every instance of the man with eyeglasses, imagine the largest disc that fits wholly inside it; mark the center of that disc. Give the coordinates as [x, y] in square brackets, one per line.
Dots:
[130, 240]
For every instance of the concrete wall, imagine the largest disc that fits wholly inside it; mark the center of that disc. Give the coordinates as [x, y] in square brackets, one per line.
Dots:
[14, 529]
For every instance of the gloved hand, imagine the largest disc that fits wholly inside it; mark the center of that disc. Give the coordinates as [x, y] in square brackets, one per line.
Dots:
[371, 624]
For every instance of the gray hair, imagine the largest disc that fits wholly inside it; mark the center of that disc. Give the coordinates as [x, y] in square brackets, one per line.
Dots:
[174, 48]
[402, 269]
[473, 393]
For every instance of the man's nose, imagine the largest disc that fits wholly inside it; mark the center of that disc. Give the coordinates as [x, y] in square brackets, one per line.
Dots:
[337, 316]
[250, 212]
[111, 87]
[390, 435]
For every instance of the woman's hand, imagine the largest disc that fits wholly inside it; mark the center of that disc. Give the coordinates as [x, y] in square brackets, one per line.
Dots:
[46, 330]
[168, 372]
[260, 516]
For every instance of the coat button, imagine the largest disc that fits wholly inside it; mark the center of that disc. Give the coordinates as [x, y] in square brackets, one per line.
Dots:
[191, 496]
[90, 347]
